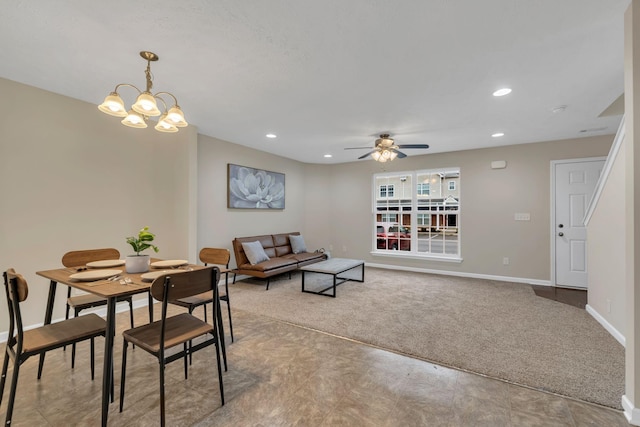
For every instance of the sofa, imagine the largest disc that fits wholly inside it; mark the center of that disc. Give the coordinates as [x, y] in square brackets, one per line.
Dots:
[278, 248]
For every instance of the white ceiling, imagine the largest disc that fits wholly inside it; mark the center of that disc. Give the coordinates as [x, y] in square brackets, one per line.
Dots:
[328, 74]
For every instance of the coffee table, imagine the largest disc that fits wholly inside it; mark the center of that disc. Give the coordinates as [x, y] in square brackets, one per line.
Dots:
[333, 267]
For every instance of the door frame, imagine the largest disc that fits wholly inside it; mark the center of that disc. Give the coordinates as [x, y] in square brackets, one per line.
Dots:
[552, 230]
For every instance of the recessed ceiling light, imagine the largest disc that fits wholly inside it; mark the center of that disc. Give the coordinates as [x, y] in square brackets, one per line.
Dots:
[271, 135]
[328, 155]
[502, 92]
[497, 134]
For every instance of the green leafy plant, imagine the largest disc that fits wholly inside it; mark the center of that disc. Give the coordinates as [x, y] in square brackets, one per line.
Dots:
[143, 241]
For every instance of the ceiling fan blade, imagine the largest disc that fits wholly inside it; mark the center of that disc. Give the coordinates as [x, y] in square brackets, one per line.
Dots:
[401, 155]
[358, 148]
[413, 146]
[366, 155]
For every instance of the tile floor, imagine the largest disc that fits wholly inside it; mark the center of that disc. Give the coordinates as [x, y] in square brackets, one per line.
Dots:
[283, 375]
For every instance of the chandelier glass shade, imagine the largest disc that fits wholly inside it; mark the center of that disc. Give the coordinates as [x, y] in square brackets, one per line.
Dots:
[146, 105]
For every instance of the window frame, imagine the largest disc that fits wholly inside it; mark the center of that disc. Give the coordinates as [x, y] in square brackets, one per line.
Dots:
[413, 225]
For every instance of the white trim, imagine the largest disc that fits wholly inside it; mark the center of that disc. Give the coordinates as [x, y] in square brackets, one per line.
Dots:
[608, 326]
[411, 255]
[552, 191]
[606, 171]
[631, 413]
[462, 274]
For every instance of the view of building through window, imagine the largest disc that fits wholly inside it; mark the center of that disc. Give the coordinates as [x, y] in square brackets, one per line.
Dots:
[418, 212]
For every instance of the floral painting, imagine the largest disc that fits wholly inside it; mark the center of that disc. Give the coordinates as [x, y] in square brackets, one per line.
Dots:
[251, 188]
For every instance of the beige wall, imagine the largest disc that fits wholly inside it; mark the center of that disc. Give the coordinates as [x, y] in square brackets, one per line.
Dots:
[219, 225]
[74, 178]
[489, 200]
[605, 248]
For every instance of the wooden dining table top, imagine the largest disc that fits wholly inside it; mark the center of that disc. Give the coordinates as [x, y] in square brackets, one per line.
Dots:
[106, 288]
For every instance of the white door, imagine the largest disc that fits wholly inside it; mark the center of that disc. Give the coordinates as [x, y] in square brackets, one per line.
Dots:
[574, 185]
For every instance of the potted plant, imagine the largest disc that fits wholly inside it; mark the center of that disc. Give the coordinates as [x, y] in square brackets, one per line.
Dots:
[140, 263]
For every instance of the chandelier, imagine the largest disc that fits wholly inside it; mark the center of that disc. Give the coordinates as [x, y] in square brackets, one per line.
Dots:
[145, 106]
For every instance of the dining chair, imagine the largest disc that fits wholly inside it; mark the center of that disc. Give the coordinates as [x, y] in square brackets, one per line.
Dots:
[219, 257]
[23, 344]
[79, 259]
[170, 332]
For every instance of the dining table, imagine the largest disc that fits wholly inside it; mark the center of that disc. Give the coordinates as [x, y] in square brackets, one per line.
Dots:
[111, 288]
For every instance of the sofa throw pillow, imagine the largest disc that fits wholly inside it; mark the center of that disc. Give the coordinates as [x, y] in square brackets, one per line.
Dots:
[297, 244]
[255, 252]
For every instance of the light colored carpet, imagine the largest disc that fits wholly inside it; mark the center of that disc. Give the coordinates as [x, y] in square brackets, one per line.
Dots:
[502, 330]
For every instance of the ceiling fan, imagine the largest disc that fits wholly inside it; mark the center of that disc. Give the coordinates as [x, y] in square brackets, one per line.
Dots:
[386, 150]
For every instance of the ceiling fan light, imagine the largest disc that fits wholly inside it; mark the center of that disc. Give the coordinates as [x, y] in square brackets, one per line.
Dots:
[146, 104]
[134, 120]
[379, 156]
[113, 105]
[175, 116]
[164, 126]
[392, 155]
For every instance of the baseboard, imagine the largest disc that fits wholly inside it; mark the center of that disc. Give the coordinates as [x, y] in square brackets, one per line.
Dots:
[463, 274]
[102, 312]
[608, 326]
[630, 412]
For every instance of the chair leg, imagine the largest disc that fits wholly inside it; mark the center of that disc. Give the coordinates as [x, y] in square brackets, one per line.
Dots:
[150, 305]
[73, 355]
[93, 365]
[186, 371]
[226, 289]
[12, 390]
[220, 338]
[190, 356]
[219, 372]
[40, 365]
[162, 392]
[205, 312]
[5, 366]
[230, 324]
[66, 313]
[124, 372]
[73, 346]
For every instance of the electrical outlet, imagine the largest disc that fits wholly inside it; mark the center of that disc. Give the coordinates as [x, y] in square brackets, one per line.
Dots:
[505, 261]
[523, 217]
[344, 248]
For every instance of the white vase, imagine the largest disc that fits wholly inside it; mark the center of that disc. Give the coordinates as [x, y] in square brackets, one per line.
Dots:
[137, 263]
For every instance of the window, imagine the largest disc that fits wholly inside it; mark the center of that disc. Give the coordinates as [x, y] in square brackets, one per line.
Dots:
[423, 189]
[389, 217]
[423, 221]
[417, 213]
[386, 191]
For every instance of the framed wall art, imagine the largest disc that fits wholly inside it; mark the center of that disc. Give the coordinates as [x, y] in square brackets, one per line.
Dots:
[250, 188]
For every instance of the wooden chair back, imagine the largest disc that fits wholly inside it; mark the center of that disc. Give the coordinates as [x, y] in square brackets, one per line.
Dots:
[217, 256]
[21, 287]
[82, 257]
[17, 290]
[184, 284]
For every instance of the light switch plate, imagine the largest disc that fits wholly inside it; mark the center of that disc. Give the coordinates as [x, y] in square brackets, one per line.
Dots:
[523, 217]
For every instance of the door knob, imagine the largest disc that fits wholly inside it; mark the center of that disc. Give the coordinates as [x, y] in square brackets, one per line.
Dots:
[561, 234]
